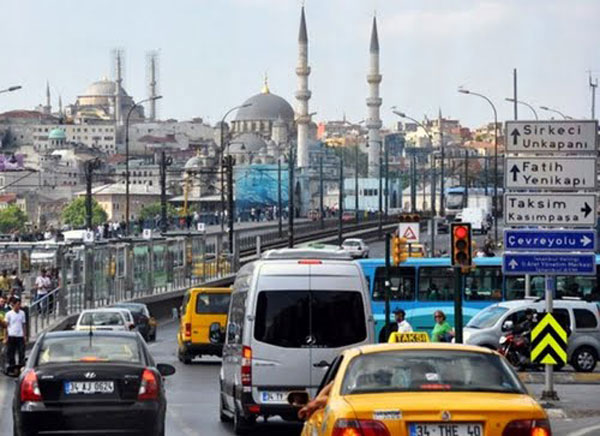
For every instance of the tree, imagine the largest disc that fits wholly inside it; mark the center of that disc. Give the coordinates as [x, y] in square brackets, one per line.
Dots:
[150, 211]
[12, 218]
[73, 214]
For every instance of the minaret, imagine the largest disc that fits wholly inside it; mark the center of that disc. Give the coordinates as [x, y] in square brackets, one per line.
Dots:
[302, 95]
[152, 86]
[118, 88]
[373, 123]
[60, 108]
[48, 107]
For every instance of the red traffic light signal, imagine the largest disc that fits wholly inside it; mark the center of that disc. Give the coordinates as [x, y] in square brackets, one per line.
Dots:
[461, 244]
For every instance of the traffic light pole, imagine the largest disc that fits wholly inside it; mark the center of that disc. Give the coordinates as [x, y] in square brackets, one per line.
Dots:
[458, 305]
[386, 323]
[164, 219]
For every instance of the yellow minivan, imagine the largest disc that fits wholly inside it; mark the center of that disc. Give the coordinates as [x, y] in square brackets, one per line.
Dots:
[203, 313]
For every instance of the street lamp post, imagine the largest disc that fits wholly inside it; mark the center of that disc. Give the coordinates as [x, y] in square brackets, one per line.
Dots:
[556, 111]
[531, 108]
[221, 163]
[129, 112]
[465, 91]
[10, 89]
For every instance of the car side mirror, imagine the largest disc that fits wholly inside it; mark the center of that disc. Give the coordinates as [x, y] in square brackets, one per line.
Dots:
[298, 398]
[215, 333]
[165, 369]
[508, 325]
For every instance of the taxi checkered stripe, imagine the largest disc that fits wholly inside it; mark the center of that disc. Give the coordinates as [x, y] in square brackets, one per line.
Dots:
[549, 342]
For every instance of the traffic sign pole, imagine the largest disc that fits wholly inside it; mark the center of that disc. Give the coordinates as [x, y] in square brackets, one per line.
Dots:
[549, 393]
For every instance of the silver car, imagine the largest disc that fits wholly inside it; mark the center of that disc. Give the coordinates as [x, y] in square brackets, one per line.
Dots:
[290, 315]
[356, 248]
[583, 319]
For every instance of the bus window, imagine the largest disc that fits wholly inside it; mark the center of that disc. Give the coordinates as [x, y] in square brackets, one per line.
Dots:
[515, 287]
[402, 284]
[574, 286]
[483, 284]
[436, 284]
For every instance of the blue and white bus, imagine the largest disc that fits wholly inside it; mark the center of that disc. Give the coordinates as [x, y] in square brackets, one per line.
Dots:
[422, 285]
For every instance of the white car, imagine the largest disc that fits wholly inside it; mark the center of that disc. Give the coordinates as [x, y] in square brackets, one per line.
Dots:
[356, 247]
[105, 319]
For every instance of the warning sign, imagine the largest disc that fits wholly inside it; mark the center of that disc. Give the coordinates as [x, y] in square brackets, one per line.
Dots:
[410, 231]
[549, 342]
[409, 337]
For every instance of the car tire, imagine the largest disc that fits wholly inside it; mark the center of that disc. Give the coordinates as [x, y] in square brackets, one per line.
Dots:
[584, 359]
[241, 425]
[183, 357]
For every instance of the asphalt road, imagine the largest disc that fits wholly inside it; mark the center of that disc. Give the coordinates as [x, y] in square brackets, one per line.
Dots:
[193, 394]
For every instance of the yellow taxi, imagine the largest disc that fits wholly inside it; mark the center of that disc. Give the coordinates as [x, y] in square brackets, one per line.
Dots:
[203, 318]
[422, 389]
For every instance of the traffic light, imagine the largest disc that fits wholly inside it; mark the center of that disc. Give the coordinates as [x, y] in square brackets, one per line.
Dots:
[461, 244]
[399, 250]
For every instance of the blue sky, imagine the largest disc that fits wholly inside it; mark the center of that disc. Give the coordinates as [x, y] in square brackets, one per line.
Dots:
[213, 53]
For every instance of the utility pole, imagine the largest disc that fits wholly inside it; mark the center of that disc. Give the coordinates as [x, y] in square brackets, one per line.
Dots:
[356, 183]
[593, 86]
[164, 163]
[387, 180]
[466, 178]
[515, 102]
[380, 210]
[442, 166]
[291, 199]
[230, 200]
[341, 201]
[413, 182]
[321, 207]
[485, 173]
[89, 168]
[279, 218]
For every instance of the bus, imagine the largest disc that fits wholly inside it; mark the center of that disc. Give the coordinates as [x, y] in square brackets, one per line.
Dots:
[422, 285]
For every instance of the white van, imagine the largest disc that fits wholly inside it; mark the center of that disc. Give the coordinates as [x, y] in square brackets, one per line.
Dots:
[290, 315]
[477, 217]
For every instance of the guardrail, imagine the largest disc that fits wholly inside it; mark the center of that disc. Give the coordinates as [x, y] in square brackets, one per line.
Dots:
[97, 275]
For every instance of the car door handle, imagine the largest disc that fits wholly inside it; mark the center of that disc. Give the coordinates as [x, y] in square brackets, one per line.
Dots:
[322, 364]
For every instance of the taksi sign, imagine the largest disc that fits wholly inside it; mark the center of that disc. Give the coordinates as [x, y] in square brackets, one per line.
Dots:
[560, 173]
[409, 231]
[549, 240]
[548, 264]
[551, 136]
[526, 209]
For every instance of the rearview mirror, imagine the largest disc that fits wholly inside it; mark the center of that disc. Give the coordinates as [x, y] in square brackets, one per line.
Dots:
[215, 334]
[298, 398]
[165, 369]
[508, 325]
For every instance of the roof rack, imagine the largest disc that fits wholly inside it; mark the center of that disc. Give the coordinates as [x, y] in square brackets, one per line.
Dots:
[305, 253]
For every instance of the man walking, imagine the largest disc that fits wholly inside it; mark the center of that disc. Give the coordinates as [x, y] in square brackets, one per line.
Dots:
[400, 326]
[16, 336]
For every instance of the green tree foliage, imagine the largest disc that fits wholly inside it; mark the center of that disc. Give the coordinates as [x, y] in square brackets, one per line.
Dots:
[150, 211]
[73, 214]
[12, 218]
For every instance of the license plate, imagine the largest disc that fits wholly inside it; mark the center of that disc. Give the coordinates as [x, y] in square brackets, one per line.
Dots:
[95, 387]
[443, 429]
[273, 397]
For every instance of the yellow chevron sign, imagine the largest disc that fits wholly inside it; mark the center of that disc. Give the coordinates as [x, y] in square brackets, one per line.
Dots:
[549, 342]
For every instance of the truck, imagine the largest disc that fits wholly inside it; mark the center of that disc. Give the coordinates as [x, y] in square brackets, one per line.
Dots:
[478, 217]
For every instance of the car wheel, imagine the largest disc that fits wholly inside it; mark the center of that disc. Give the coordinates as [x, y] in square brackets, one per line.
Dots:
[242, 425]
[184, 357]
[584, 359]
[153, 337]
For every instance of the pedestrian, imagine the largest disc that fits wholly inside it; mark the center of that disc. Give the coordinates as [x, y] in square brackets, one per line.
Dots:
[442, 331]
[16, 336]
[4, 283]
[400, 325]
[16, 284]
[4, 308]
[2, 332]
[42, 286]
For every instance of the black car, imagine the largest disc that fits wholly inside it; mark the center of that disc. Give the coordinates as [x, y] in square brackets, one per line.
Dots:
[101, 382]
[144, 322]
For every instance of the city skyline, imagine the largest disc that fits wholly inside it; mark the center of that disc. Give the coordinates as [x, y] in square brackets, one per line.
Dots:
[214, 56]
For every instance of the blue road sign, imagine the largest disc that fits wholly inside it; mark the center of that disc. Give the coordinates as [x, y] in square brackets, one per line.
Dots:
[549, 264]
[543, 240]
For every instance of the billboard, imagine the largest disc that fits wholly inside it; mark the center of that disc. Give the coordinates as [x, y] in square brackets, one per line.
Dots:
[256, 186]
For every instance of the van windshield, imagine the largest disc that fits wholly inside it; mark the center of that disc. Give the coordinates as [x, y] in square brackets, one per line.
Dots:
[303, 319]
[212, 303]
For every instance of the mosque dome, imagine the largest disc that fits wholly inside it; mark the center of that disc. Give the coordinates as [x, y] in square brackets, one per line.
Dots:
[57, 135]
[247, 143]
[265, 106]
[193, 163]
[102, 87]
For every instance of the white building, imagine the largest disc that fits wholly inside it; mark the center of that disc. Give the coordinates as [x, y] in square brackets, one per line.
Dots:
[47, 138]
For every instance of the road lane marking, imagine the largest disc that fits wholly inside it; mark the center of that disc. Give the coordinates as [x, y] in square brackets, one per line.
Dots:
[584, 431]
